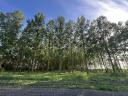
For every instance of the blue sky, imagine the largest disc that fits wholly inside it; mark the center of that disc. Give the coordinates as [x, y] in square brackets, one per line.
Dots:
[114, 10]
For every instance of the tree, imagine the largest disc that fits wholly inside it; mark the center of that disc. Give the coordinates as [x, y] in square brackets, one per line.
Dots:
[62, 45]
[81, 31]
[60, 23]
[32, 40]
[10, 24]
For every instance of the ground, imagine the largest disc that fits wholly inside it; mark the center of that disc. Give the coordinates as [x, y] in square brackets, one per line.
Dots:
[56, 92]
[69, 83]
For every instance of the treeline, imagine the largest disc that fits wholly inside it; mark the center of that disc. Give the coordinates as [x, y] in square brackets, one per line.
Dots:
[61, 45]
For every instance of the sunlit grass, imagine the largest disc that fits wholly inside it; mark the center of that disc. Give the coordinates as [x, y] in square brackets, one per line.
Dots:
[76, 79]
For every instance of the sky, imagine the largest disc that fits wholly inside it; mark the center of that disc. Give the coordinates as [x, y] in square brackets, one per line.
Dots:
[114, 10]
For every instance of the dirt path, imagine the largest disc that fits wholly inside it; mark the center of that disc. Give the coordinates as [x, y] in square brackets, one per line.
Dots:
[56, 92]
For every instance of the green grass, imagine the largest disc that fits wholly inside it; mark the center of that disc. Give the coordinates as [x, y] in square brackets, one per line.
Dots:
[77, 79]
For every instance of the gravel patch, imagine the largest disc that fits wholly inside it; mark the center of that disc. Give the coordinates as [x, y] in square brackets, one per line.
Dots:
[56, 92]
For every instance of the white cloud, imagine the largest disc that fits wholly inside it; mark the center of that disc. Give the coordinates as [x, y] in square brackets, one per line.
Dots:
[114, 10]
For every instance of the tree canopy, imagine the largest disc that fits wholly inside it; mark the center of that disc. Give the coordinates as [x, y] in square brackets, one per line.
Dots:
[62, 45]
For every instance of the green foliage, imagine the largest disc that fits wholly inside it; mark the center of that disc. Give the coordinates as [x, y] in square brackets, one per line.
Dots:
[62, 45]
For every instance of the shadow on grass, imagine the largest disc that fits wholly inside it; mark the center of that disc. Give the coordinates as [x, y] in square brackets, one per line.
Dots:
[99, 81]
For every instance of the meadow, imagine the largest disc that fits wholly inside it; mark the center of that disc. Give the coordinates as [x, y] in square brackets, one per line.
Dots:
[73, 80]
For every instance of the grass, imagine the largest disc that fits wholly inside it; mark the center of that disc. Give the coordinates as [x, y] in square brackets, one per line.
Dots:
[77, 79]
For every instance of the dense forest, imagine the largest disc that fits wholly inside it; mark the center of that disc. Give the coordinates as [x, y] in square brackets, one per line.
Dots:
[60, 44]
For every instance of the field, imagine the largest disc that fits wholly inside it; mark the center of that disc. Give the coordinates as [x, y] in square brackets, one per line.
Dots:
[72, 80]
